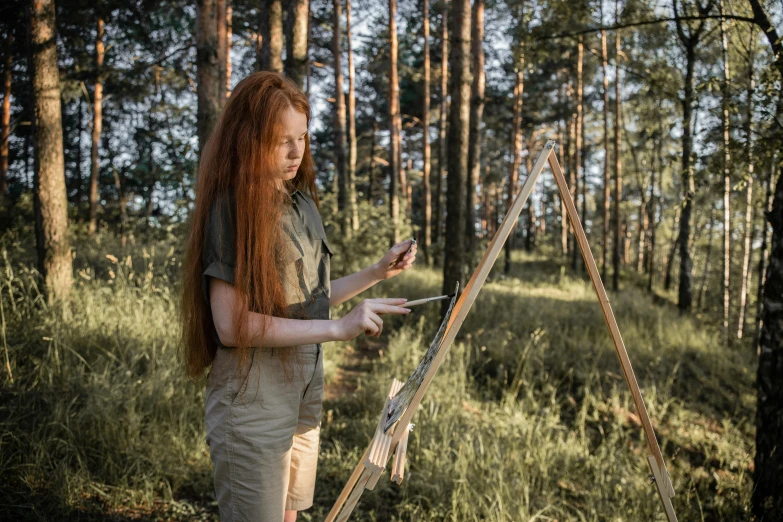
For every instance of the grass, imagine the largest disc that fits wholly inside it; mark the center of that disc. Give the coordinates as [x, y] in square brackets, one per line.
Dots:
[528, 419]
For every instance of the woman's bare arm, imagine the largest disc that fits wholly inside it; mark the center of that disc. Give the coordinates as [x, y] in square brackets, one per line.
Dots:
[225, 300]
[346, 287]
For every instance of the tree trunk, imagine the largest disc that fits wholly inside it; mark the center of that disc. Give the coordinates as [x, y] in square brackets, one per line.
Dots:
[97, 124]
[296, 41]
[768, 471]
[426, 152]
[578, 152]
[371, 172]
[667, 279]
[352, 143]
[707, 257]
[210, 64]
[229, 33]
[476, 115]
[617, 163]
[726, 178]
[394, 125]
[654, 202]
[54, 253]
[6, 117]
[606, 199]
[516, 148]
[764, 253]
[270, 57]
[459, 122]
[748, 193]
[339, 121]
[437, 211]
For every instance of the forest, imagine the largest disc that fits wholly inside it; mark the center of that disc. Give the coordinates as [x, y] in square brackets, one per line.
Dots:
[427, 117]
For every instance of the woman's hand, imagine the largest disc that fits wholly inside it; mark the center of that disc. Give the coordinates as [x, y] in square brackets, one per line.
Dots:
[366, 317]
[388, 267]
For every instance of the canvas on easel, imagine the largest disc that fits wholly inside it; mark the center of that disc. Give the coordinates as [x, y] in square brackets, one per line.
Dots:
[392, 436]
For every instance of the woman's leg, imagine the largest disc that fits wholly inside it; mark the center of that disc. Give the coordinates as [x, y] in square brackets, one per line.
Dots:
[290, 515]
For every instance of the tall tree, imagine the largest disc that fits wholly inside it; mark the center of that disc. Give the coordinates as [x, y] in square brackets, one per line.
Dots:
[768, 463]
[726, 175]
[426, 149]
[516, 141]
[270, 55]
[476, 115]
[605, 204]
[578, 134]
[210, 65]
[54, 253]
[5, 120]
[352, 143]
[395, 124]
[689, 35]
[97, 123]
[458, 135]
[437, 210]
[339, 120]
[618, 179]
[748, 191]
[296, 39]
[227, 49]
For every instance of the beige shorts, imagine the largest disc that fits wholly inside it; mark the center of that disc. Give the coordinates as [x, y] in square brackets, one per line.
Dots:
[264, 441]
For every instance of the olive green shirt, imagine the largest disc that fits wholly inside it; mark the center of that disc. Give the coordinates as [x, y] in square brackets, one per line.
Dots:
[305, 257]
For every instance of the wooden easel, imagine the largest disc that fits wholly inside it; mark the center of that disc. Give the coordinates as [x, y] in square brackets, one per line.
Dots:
[373, 463]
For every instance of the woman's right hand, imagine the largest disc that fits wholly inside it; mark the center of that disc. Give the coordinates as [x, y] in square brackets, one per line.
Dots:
[366, 317]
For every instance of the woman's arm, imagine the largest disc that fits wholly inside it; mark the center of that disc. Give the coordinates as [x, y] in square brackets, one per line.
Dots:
[346, 287]
[224, 300]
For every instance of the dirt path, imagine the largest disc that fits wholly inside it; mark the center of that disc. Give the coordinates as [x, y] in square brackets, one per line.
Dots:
[357, 362]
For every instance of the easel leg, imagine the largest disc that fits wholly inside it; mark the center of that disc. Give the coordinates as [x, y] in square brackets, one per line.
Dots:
[347, 489]
[660, 484]
[354, 498]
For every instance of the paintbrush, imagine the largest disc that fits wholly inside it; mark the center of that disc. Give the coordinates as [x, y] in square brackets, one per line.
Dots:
[418, 302]
[401, 256]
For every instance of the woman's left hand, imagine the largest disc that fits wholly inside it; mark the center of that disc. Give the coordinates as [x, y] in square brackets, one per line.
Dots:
[388, 267]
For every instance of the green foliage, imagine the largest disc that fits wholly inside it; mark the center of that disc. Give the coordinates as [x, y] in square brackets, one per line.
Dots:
[528, 416]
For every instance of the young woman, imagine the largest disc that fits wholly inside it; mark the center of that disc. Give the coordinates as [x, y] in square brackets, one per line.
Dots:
[256, 301]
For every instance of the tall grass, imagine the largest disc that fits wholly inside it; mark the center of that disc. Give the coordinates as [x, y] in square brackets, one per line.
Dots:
[528, 419]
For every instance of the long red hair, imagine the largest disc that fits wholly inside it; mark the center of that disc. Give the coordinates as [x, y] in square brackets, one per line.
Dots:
[240, 157]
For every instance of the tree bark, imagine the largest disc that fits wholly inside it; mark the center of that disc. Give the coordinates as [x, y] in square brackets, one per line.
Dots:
[6, 117]
[437, 211]
[768, 471]
[726, 178]
[339, 121]
[667, 279]
[97, 124]
[706, 260]
[689, 40]
[459, 121]
[617, 161]
[352, 142]
[54, 253]
[296, 41]
[516, 147]
[764, 250]
[578, 160]
[229, 33]
[395, 125]
[427, 149]
[270, 57]
[210, 64]
[606, 199]
[748, 193]
[476, 116]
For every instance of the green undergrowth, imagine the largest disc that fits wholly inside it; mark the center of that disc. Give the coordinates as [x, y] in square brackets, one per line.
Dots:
[528, 419]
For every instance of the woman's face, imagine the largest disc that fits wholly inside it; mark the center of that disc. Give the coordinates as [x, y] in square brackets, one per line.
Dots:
[291, 147]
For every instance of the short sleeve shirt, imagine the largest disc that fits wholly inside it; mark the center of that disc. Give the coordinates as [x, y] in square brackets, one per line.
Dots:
[305, 257]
